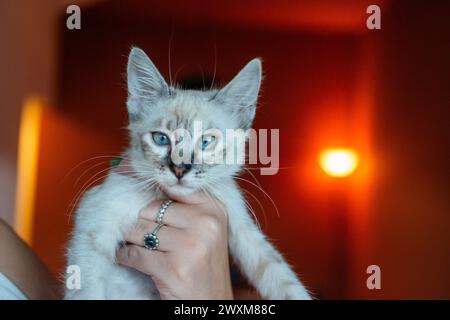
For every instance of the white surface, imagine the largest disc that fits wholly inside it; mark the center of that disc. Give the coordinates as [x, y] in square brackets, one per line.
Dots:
[8, 290]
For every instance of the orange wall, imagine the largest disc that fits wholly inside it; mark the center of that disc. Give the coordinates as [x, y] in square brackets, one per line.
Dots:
[27, 64]
[62, 172]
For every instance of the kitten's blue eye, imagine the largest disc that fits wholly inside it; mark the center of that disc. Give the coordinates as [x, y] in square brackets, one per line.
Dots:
[206, 141]
[160, 138]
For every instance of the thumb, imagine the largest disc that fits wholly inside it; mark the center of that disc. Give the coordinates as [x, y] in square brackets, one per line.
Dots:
[198, 197]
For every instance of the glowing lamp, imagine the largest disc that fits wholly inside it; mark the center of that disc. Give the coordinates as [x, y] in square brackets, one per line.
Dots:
[338, 163]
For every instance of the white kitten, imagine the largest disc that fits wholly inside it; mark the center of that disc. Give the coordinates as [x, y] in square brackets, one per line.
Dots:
[110, 210]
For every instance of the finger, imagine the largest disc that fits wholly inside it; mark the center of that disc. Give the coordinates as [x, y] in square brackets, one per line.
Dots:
[169, 238]
[195, 197]
[175, 215]
[150, 262]
[198, 201]
[202, 201]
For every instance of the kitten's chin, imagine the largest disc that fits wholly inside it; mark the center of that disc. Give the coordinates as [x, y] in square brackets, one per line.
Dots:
[180, 189]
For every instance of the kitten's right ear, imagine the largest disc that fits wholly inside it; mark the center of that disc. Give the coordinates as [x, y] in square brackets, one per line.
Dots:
[145, 83]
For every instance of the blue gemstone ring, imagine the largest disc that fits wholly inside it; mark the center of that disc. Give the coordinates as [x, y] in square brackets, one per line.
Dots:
[151, 240]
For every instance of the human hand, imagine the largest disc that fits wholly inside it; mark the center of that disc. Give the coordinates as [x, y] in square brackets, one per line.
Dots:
[191, 261]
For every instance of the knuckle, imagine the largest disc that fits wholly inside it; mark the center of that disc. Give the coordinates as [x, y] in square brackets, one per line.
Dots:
[210, 224]
[144, 226]
[182, 272]
[141, 228]
[197, 246]
[201, 250]
[133, 253]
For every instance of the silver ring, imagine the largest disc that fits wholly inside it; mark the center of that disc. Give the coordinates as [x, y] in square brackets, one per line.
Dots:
[162, 211]
[151, 240]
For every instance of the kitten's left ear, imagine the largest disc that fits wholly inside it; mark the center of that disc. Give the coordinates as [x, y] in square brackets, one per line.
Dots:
[145, 83]
[239, 96]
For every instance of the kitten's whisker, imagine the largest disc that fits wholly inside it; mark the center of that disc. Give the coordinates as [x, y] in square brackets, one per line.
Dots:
[176, 73]
[263, 191]
[87, 170]
[82, 191]
[250, 208]
[78, 196]
[89, 183]
[169, 54]
[254, 177]
[281, 168]
[95, 175]
[87, 160]
[79, 193]
[145, 186]
[203, 76]
[259, 204]
[215, 66]
[214, 200]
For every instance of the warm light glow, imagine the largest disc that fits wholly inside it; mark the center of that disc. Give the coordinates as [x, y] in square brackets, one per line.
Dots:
[339, 162]
[27, 167]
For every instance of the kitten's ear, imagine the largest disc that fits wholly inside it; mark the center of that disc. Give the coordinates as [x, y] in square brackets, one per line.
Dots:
[145, 83]
[239, 96]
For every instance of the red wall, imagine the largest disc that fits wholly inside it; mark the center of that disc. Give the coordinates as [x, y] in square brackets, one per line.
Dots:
[321, 89]
[305, 75]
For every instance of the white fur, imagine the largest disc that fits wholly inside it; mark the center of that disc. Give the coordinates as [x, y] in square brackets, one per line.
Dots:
[108, 211]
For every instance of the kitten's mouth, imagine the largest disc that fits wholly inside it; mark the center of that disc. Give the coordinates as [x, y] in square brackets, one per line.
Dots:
[179, 184]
